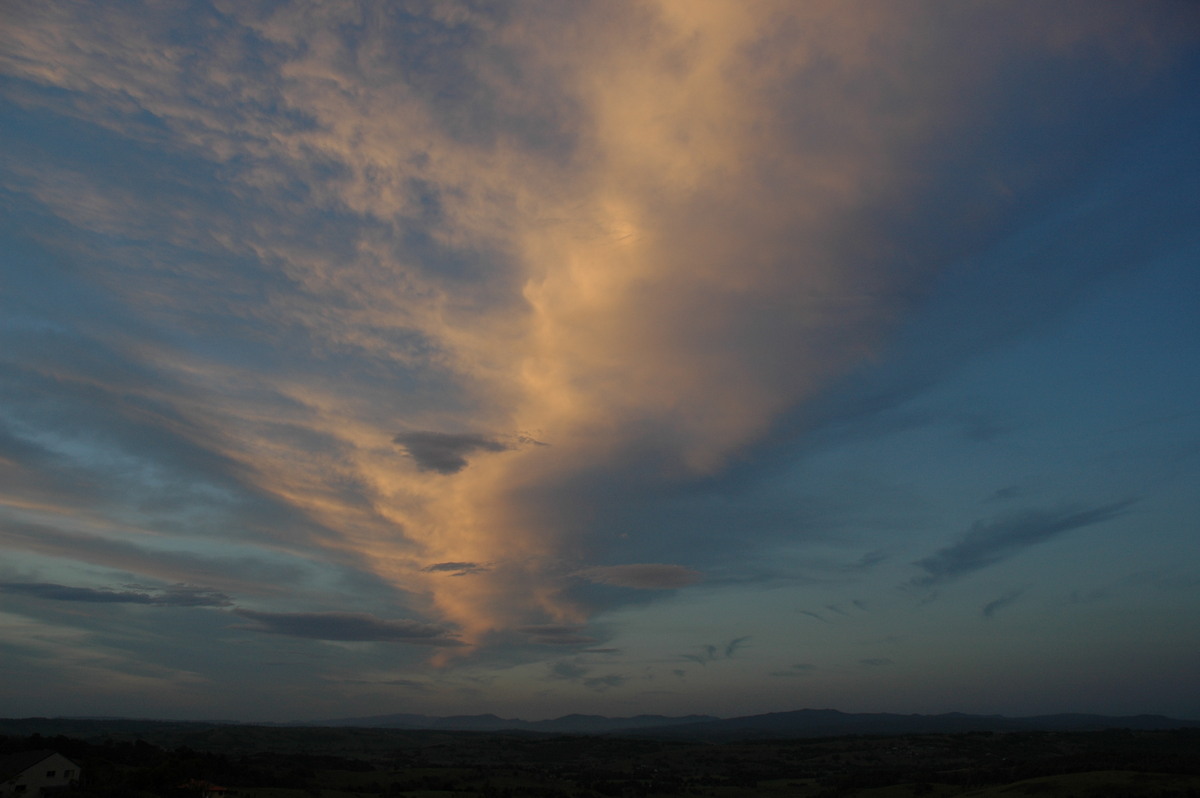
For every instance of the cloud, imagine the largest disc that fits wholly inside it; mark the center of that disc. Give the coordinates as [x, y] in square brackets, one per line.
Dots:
[558, 635]
[244, 571]
[876, 662]
[992, 607]
[445, 452]
[306, 226]
[991, 542]
[456, 568]
[574, 671]
[733, 645]
[347, 626]
[643, 576]
[174, 596]
[1007, 493]
[408, 684]
[710, 653]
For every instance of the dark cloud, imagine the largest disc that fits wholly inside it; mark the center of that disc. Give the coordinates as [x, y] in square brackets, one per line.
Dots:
[175, 596]
[573, 671]
[992, 607]
[1006, 494]
[643, 576]
[347, 626]
[989, 543]
[456, 568]
[876, 662]
[446, 452]
[709, 652]
[409, 684]
[557, 634]
[733, 645]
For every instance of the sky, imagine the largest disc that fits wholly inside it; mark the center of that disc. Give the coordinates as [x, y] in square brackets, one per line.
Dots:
[530, 358]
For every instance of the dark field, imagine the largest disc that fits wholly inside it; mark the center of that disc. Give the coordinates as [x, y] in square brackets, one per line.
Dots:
[132, 759]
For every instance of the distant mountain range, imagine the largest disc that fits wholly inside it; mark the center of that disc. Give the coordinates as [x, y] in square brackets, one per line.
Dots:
[699, 728]
[799, 723]
[567, 724]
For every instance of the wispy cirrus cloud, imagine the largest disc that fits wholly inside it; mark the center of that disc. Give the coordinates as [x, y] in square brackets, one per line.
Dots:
[710, 653]
[347, 627]
[557, 634]
[172, 596]
[244, 571]
[574, 671]
[988, 543]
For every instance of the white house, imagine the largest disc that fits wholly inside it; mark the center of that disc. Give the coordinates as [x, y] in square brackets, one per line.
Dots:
[35, 773]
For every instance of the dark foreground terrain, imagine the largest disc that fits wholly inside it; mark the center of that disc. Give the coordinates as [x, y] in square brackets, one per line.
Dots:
[132, 759]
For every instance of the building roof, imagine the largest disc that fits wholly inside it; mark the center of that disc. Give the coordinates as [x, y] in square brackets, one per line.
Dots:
[12, 765]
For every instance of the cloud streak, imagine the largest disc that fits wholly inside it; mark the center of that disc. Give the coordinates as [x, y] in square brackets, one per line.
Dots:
[346, 627]
[642, 576]
[988, 543]
[445, 453]
[174, 596]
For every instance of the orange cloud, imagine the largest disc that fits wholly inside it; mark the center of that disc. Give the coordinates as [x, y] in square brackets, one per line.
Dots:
[644, 231]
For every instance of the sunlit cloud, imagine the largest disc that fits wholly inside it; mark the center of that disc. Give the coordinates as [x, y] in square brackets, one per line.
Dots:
[496, 322]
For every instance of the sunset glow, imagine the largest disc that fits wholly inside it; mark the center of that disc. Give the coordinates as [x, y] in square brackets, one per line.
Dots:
[545, 357]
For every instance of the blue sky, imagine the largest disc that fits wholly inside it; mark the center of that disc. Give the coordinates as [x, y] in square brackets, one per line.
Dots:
[537, 358]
